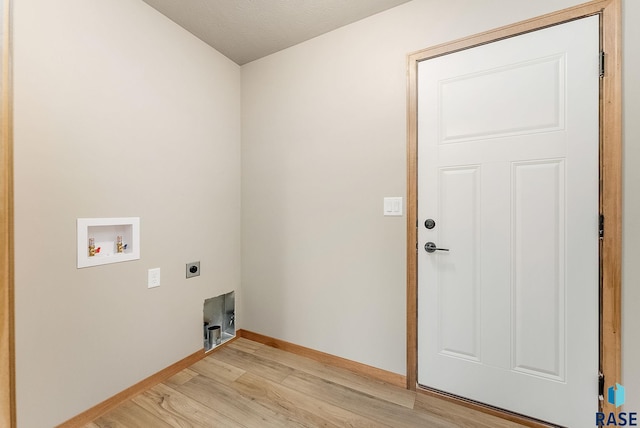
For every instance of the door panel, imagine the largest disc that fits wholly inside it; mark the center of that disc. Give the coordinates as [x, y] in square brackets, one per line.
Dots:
[508, 169]
[466, 114]
[538, 335]
[459, 333]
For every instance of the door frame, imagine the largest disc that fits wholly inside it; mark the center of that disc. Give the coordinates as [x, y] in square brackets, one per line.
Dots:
[7, 347]
[610, 182]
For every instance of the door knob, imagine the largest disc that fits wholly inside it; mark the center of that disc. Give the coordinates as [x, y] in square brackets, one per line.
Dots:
[430, 247]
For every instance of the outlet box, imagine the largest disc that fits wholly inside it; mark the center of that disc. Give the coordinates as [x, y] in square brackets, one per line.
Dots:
[193, 269]
[105, 233]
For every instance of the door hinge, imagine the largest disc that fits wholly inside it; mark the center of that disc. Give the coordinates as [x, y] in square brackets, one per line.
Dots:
[601, 227]
[601, 63]
[601, 386]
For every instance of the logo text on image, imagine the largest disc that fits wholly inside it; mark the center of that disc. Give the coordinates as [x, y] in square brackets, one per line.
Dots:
[616, 396]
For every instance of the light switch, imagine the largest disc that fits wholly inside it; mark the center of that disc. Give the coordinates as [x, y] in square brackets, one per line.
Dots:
[153, 279]
[393, 206]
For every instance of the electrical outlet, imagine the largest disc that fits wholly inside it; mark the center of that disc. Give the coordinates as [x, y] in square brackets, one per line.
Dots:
[153, 279]
[193, 269]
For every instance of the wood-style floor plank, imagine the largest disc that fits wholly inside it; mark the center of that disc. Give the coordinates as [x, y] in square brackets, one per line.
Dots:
[245, 411]
[267, 368]
[216, 369]
[130, 415]
[245, 345]
[300, 407]
[248, 384]
[178, 410]
[387, 413]
[181, 377]
[367, 385]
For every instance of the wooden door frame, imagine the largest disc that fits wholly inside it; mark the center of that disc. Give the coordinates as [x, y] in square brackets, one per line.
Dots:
[7, 349]
[610, 176]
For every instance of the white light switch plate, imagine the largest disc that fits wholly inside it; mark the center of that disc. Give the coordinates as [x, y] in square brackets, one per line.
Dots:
[153, 278]
[393, 206]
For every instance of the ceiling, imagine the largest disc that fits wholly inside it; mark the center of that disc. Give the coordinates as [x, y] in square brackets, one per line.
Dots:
[246, 30]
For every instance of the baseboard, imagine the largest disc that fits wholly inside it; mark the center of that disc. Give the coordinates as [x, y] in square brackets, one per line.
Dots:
[111, 403]
[363, 369]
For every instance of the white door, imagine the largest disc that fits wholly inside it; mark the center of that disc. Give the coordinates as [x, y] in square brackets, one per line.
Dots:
[508, 172]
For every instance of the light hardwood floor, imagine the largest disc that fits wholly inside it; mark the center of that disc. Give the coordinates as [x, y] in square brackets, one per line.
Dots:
[247, 384]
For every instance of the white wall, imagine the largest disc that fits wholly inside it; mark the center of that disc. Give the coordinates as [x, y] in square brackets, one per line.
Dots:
[324, 132]
[118, 112]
